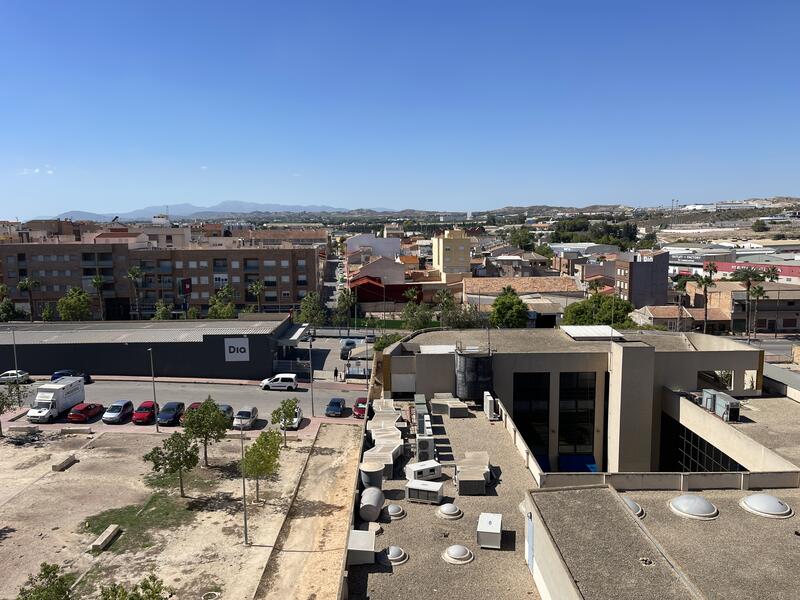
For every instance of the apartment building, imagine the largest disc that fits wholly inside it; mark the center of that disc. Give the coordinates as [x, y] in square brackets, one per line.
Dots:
[288, 272]
[451, 252]
[641, 277]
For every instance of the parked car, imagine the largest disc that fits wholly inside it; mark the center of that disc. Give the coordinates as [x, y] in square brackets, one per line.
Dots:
[360, 408]
[12, 376]
[344, 353]
[246, 418]
[118, 412]
[281, 381]
[71, 373]
[83, 413]
[190, 408]
[171, 413]
[227, 410]
[347, 343]
[295, 422]
[369, 338]
[335, 407]
[145, 413]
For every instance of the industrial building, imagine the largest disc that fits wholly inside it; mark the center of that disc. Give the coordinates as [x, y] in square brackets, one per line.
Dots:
[235, 349]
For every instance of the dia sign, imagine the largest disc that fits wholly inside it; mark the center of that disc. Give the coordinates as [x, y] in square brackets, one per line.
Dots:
[237, 350]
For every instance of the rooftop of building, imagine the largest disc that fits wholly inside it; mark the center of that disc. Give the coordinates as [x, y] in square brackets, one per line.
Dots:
[500, 574]
[773, 423]
[714, 314]
[736, 556]
[514, 341]
[666, 311]
[491, 286]
[124, 332]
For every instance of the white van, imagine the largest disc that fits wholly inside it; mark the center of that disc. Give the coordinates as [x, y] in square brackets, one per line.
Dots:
[281, 381]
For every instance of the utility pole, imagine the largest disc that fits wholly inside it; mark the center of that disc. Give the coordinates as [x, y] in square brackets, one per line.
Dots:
[777, 309]
[14, 343]
[244, 491]
[311, 372]
[153, 379]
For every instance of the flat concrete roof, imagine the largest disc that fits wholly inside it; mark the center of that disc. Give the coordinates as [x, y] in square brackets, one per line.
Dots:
[497, 574]
[774, 423]
[512, 341]
[122, 332]
[738, 556]
[604, 547]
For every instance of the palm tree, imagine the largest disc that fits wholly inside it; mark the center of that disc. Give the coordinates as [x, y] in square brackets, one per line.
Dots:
[771, 274]
[411, 294]
[257, 288]
[97, 284]
[706, 281]
[594, 287]
[680, 290]
[134, 275]
[28, 284]
[747, 276]
[756, 292]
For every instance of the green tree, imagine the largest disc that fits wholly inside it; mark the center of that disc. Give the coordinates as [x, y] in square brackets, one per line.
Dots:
[134, 276]
[544, 250]
[508, 310]
[261, 458]
[345, 302]
[206, 424]
[51, 583]
[220, 305]
[149, 588]
[75, 305]
[446, 305]
[12, 395]
[8, 312]
[97, 283]
[521, 238]
[3, 291]
[705, 282]
[178, 453]
[417, 316]
[411, 294]
[48, 312]
[386, 340]
[193, 313]
[256, 288]
[284, 414]
[312, 311]
[748, 276]
[760, 226]
[771, 274]
[28, 285]
[599, 310]
[163, 311]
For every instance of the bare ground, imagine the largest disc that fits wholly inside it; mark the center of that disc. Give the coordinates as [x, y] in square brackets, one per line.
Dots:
[309, 555]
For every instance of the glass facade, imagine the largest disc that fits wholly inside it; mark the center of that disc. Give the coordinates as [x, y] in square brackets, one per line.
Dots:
[576, 413]
[532, 411]
[684, 451]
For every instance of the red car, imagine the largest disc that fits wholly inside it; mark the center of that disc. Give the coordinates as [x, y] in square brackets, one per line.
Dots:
[360, 408]
[190, 408]
[83, 413]
[145, 413]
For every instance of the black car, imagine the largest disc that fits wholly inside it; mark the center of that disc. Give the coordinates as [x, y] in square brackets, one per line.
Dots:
[335, 407]
[170, 413]
[71, 373]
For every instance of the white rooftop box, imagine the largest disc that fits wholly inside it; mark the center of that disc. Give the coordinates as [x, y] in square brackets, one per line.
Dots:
[425, 470]
[490, 530]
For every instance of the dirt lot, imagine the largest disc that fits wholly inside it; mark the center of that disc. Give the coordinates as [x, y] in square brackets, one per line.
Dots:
[194, 544]
[308, 556]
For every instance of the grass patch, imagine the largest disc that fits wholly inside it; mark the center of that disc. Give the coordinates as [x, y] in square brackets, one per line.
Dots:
[196, 479]
[140, 521]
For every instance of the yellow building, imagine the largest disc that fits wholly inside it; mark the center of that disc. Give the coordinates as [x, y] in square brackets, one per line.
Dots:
[451, 252]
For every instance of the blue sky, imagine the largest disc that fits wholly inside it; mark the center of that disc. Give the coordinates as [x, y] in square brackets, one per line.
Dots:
[437, 104]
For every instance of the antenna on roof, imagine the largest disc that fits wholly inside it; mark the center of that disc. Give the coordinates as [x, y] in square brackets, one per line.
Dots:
[115, 219]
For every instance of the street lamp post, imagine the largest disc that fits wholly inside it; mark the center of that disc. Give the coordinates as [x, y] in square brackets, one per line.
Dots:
[14, 343]
[153, 379]
[311, 373]
[244, 490]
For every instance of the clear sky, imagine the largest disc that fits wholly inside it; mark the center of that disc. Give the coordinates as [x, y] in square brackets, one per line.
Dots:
[436, 104]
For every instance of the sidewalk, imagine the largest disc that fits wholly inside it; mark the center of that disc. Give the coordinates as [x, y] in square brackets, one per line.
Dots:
[318, 383]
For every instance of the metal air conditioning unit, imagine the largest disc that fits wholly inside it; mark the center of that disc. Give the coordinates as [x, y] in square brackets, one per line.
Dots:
[424, 491]
[425, 448]
[709, 399]
[425, 470]
[491, 407]
[727, 407]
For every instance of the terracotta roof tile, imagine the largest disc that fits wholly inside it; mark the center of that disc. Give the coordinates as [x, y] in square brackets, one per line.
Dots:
[522, 285]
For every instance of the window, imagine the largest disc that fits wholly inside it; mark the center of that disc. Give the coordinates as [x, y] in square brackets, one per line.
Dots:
[235, 279]
[271, 295]
[11, 259]
[56, 288]
[284, 264]
[251, 264]
[203, 264]
[220, 265]
[532, 410]
[301, 262]
[195, 295]
[204, 280]
[284, 279]
[234, 264]
[12, 274]
[789, 323]
[301, 294]
[42, 273]
[302, 281]
[192, 264]
[576, 413]
[285, 294]
[40, 258]
[194, 280]
[178, 263]
[67, 273]
[204, 294]
[220, 280]
[55, 273]
[269, 263]
[270, 281]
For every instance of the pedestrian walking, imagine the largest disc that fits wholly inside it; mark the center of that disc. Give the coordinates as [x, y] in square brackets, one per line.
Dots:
[336, 373]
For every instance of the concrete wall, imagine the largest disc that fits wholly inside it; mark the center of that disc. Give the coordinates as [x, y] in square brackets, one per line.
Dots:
[171, 359]
[435, 373]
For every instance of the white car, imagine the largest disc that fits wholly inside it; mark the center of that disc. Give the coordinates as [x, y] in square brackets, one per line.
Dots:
[369, 338]
[12, 376]
[281, 381]
[295, 423]
[245, 418]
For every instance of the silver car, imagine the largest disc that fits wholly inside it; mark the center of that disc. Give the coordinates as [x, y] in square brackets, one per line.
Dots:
[245, 418]
[12, 376]
[118, 412]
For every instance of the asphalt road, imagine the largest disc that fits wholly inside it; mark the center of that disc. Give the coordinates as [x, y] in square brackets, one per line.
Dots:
[771, 345]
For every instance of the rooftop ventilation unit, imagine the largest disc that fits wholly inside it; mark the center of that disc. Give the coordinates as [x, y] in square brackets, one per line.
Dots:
[693, 506]
[425, 448]
[490, 530]
[709, 399]
[395, 555]
[766, 505]
[449, 511]
[395, 512]
[589, 333]
[458, 555]
[491, 407]
[424, 491]
[727, 407]
[426, 470]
